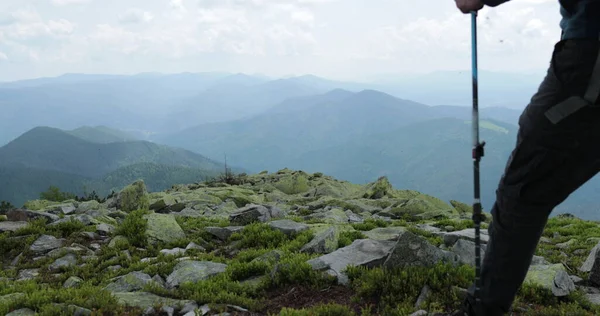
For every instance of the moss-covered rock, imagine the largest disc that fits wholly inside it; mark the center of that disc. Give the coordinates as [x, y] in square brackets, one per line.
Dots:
[385, 233]
[133, 197]
[378, 189]
[193, 271]
[552, 277]
[145, 300]
[36, 205]
[334, 216]
[324, 242]
[422, 207]
[163, 227]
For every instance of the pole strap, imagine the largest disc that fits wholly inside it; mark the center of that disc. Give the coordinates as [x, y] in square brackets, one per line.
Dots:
[573, 104]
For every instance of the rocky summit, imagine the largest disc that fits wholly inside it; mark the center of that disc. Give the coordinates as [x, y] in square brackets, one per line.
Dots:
[288, 242]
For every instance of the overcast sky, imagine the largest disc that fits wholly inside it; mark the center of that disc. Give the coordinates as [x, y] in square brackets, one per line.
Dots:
[346, 39]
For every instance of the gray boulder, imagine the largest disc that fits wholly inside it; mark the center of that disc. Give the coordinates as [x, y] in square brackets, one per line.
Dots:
[362, 252]
[193, 271]
[46, 243]
[250, 214]
[413, 250]
[324, 242]
[288, 227]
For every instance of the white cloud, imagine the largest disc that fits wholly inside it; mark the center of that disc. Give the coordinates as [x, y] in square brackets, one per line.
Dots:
[135, 15]
[61, 26]
[68, 2]
[276, 36]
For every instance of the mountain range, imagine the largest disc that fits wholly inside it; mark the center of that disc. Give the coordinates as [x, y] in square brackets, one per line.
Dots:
[151, 103]
[86, 159]
[108, 130]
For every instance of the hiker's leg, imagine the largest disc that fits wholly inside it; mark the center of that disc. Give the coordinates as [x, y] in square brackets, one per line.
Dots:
[549, 162]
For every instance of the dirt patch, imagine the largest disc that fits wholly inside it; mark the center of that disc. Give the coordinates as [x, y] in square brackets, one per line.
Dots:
[299, 297]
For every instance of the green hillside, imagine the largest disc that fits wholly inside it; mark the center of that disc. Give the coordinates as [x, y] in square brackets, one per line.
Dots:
[19, 184]
[45, 157]
[157, 177]
[271, 140]
[53, 149]
[283, 243]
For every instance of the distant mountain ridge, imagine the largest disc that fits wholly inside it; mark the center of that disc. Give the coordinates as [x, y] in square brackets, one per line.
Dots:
[361, 136]
[295, 125]
[102, 134]
[47, 156]
[155, 103]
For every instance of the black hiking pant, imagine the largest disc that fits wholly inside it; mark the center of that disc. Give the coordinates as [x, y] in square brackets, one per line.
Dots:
[549, 162]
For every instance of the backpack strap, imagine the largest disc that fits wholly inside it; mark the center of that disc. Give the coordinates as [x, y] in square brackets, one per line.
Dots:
[575, 103]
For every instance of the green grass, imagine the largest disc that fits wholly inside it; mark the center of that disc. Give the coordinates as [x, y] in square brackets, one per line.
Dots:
[370, 224]
[397, 289]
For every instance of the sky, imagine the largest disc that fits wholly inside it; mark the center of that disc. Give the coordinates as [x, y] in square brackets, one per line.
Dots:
[338, 39]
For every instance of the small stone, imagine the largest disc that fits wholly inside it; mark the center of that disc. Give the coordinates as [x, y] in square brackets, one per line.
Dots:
[95, 247]
[169, 310]
[288, 227]
[21, 312]
[419, 313]
[193, 271]
[566, 244]
[249, 214]
[223, 233]
[593, 298]
[324, 242]
[89, 235]
[353, 218]
[556, 235]
[576, 279]
[173, 252]
[425, 293]
[190, 308]
[28, 274]
[15, 262]
[20, 215]
[159, 280]
[546, 240]
[104, 229]
[194, 246]
[72, 282]
[68, 260]
[11, 226]
[46, 243]
[114, 267]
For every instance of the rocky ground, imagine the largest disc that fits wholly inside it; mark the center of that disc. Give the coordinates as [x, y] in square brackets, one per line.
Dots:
[285, 243]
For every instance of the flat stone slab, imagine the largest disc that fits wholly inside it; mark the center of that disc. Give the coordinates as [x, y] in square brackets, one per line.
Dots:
[11, 226]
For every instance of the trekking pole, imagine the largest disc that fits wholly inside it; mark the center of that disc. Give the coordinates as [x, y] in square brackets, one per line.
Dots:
[477, 153]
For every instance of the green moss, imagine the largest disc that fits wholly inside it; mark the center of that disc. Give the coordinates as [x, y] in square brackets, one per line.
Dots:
[293, 184]
[398, 288]
[259, 235]
[370, 224]
[330, 309]
[37, 205]
[455, 224]
[40, 297]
